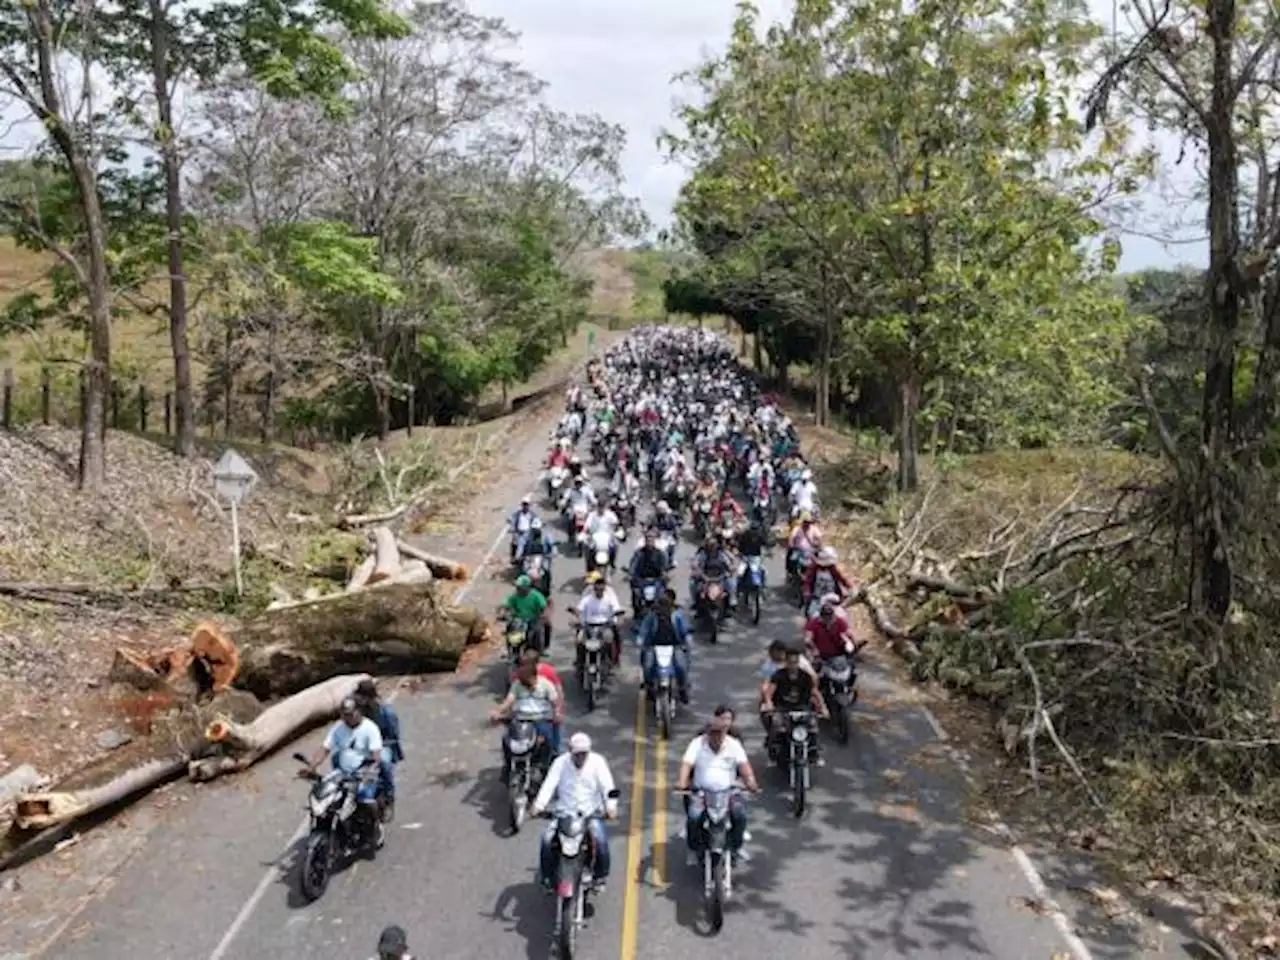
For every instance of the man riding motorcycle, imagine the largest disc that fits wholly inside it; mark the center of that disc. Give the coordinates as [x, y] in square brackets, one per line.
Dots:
[665, 626]
[793, 689]
[804, 493]
[727, 510]
[603, 521]
[713, 562]
[599, 607]
[388, 724]
[828, 635]
[352, 743]
[714, 761]
[580, 493]
[532, 607]
[824, 576]
[577, 781]
[647, 563]
[519, 522]
[529, 685]
[804, 541]
[536, 542]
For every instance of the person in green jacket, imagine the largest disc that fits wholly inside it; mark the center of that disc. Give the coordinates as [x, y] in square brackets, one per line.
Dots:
[529, 605]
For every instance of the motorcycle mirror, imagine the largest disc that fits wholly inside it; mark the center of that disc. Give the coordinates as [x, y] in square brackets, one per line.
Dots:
[302, 758]
[614, 794]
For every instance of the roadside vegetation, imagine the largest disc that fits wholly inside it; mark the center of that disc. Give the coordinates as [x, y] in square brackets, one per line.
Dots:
[1059, 483]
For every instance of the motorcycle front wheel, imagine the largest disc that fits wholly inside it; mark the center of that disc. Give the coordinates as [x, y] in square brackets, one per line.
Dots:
[568, 926]
[840, 719]
[518, 806]
[799, 798]
[755, 606]
[317, 863]
[715, 901]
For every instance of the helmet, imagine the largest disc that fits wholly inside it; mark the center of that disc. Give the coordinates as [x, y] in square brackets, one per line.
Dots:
[595, 576]
[826, 557]
[831, 598]
[806, 517]
[663, 506]
[806, 474]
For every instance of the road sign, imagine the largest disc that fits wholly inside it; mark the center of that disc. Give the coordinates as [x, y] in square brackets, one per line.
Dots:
[233, 478]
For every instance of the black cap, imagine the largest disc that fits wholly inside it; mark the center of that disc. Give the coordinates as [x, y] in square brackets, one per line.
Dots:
[393, 938]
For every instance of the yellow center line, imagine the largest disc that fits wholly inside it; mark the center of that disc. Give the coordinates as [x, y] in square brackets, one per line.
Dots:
[660, 813]
[635, 840]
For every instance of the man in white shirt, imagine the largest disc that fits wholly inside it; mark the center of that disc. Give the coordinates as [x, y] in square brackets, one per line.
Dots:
[352, 742]
[713, 762]
[599, 607]
[578, 782]
[804, 493]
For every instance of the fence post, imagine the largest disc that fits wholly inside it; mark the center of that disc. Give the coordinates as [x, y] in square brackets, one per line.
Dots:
[409, 424]
[168, 413]
[142, 408]
[7, 404]
[46, 390]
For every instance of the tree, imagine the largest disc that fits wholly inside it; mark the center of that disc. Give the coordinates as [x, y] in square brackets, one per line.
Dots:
[46, 48]
[1207, 70]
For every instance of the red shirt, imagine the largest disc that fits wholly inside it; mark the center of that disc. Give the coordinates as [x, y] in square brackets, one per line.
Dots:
[558, 458]
[826, 637]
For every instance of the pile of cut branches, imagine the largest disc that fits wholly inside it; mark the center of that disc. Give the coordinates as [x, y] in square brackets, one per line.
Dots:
[1071, 622]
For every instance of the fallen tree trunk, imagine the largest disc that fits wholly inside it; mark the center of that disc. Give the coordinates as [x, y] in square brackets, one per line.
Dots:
[386, 563]
[395, 628]
[37, 811]
[441, 567]
[238, 745]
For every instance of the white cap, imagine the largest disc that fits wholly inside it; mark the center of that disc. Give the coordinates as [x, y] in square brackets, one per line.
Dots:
[526, 499]
[579, 743]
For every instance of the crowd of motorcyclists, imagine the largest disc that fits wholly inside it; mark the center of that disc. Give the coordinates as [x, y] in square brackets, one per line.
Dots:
[665, 432]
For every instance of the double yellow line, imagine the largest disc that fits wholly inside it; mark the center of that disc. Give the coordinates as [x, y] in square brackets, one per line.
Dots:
[636, 833]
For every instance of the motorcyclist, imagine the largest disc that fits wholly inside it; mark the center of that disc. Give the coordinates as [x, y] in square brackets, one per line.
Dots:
[824, 566]
[665, 519]
[536, 542]
[519, 521]
[384, 715]
[529, 685]
[711, 562]
[580, 493]
[714, 761]
[576, 469]
[828, 635]
[647, 563]
[579, 781]
[393, 944]
[792, 689]
[666, 626]
[599, 607]
[727, 510]
[352, 743]
[529, 605]
[804, 493]
[559, 454]
[776, 660]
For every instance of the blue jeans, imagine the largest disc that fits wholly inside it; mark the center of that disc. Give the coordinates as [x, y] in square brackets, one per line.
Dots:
[680, 661]
[547, 851]
[387, 773]
[693, 822]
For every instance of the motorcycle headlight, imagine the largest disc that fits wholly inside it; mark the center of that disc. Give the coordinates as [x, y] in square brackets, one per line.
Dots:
[319, 804]
[841, 675]
[592, 644]
[520, 746]
[799, 734]
[569, 846]
[602, 557]
[650, 592]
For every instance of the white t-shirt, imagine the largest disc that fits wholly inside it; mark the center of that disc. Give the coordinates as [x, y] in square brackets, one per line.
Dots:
[607, 521]
[715, 770]
[586, 789]
[599, 610]
[351, 746]
[803, 493]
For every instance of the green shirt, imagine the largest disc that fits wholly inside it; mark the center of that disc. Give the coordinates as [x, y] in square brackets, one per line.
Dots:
[528, 607]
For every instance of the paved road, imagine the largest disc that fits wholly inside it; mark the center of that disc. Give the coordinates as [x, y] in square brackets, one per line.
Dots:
[883, 866]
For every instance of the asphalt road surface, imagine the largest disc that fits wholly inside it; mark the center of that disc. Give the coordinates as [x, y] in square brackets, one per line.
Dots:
[885, 864]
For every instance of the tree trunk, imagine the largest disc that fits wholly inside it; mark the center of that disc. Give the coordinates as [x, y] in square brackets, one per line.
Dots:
[822, 396]
[757, 355]
[184, 407]
[398, 628]
[1216, 513]
[269, 388]
[228, 374]
[908, 433]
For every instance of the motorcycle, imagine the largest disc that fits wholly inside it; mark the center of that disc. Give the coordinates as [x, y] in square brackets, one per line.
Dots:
[594, 638]
[702, 518]
[751, 585]
[713, 605]
[766, 514]
[824, 582]
[644, 598]
[663, 689]
[599, 552]
[557, 477]
[575, 858]
[796, 757]
[529, 757]
[347, 813]
[536, 568]
[838, 685]
[520, 529]
[797, 562]
[716, 859]
[625, 507]
[517, 639]
[578, 526]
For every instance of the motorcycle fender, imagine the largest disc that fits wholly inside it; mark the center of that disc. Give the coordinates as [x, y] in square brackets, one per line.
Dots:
[842, 698]
[567, 879]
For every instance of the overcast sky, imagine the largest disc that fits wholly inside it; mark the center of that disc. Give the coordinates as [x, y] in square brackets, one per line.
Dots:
[617, 58]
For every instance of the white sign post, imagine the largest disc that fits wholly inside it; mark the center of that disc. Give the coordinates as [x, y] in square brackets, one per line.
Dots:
[233, 478]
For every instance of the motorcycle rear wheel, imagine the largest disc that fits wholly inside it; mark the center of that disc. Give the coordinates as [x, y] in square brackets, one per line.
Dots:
[317, 863]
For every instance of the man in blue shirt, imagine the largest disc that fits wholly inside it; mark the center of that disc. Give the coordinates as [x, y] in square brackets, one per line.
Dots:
[389, 726]
[666, 626]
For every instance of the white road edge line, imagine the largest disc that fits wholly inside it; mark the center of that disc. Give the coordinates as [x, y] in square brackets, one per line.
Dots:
[1077, 947]
[272, 872]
